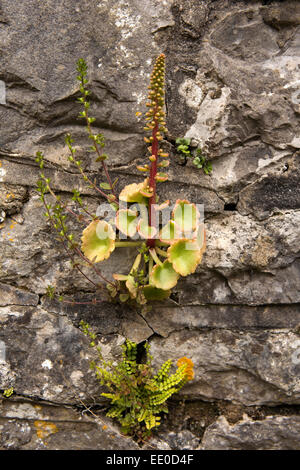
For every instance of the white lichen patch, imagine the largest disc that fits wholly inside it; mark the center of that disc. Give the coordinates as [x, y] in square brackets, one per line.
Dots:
[292, 84]
[51, 392]
[210, 119]
[219, 242]
[126, 19]
[21, 411]
[165, 3]
[191, 92]
[76, 377]
[268, 160]
[295, 142]
[2, 174]
[47, 331]
[139, 96]
[286, 226]
[220, 293]
[2, 92]
[224, 173]
[283, 65]
[47, 364]
[2, 351]
[7, 376]
[10, 311]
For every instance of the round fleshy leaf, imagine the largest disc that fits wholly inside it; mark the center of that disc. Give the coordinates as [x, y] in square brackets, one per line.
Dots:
[185, 256]
[169, 233]
[98, 241]
[153, 293]
[164, 277]
[161, 177]
[186, 216]
[200, 236]
[132, 192]
[123, 297]
[126, 222]
[143, 168]
[145, 230]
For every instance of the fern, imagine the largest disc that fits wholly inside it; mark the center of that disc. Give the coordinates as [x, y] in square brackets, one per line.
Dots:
[136, 395]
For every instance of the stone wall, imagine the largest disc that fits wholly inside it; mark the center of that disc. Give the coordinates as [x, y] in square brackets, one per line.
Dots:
[233, 76]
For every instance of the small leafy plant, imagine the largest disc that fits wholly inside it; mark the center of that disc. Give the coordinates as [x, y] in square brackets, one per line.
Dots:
[199, 158]
[8, 392]
[165, 250]
[138, 395]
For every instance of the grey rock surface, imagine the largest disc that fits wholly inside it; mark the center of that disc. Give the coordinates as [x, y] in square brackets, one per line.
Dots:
[26, 425]
[274, 432]
[232, 86]
[249, 367]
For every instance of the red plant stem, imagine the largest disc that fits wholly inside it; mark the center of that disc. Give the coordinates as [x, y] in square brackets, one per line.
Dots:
[152, 181]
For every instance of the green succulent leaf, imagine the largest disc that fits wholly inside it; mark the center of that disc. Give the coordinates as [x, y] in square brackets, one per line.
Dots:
[185, 256]
[126, 222]
[98, 241]
[169, 233]
[164, 276]
[153, 293]
[101, 158]
[123, 297]
[132, 192]
[145, 230]
[186, 216]
[161, 177]
[105, 186]
[182, 140]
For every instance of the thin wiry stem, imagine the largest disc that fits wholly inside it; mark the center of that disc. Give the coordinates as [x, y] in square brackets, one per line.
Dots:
[96, 144]
[87, 179]
[69, 253]
[65, 207]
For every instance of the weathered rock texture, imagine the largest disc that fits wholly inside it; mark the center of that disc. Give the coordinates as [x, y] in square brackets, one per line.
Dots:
[232, 86]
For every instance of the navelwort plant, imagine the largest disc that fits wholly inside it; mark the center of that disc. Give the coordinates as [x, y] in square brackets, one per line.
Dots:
[164, 251]
[138, 395]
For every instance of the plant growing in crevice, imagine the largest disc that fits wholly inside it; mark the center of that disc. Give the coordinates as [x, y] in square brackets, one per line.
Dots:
[137, 394]
[200, 160]
[8, 392]
[166, 249]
